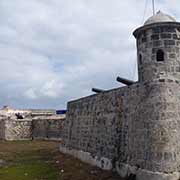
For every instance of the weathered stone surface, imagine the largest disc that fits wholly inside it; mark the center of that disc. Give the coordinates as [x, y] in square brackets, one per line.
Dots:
[136, 125]
[18, 129]
[158, 36]
[147, 175]
[47, 128]
[101, 162]
[41, 127]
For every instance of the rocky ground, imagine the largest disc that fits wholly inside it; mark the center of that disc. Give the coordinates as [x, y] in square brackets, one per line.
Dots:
[41, 160]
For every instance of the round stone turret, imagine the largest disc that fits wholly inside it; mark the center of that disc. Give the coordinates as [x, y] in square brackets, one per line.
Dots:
[158, 48]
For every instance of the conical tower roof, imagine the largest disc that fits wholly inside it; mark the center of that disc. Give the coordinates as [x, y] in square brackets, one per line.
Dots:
[159, 17]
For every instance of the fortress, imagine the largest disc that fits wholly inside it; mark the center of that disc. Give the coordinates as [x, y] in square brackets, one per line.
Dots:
[135, 129]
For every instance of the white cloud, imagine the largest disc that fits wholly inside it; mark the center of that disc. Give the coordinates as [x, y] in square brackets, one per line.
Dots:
[30, 93]
[54, 50]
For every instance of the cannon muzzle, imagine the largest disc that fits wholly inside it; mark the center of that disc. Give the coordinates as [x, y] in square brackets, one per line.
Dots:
[97, 90]
[125, 81]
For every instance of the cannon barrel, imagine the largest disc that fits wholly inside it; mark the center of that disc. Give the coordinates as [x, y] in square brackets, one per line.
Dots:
[125, 81]
[97, 90]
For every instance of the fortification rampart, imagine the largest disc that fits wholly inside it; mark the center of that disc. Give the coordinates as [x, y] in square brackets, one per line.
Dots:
[135, 126]
[28, 128]
[47, 128]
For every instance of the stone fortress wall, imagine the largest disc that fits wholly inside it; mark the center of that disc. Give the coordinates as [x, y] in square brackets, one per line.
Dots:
[134, 129]
[125, 128]
[30, 124]
[47, 128]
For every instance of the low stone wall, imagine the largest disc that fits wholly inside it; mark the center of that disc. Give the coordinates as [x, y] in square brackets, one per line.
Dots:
[47, 128]
[16, 129]
[41, 127]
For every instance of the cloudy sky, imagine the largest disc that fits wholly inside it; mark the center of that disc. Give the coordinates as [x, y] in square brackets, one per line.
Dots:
[53, 51]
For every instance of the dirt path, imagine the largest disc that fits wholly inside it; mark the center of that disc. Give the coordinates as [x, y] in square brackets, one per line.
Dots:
[41, 160]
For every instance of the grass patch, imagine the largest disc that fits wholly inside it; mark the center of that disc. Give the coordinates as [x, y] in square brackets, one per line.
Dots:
[27, 160]
[32, 171]
[41, 160]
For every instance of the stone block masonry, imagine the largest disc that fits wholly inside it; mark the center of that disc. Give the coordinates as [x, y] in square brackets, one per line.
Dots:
[18, 129]
[46, 128]
[128, 128]
[40, 127]
[151, 39]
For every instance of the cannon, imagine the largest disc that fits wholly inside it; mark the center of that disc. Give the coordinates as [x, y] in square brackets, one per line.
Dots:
[125, 81]
[19, 116]
[97, 90]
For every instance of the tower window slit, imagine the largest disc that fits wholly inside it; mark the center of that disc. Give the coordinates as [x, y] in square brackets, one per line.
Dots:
[160, 55]
[140, 59]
